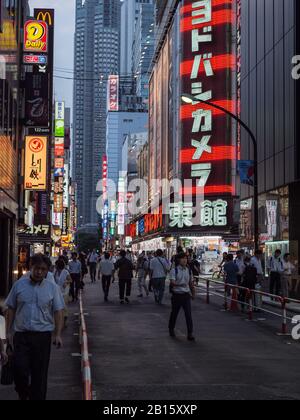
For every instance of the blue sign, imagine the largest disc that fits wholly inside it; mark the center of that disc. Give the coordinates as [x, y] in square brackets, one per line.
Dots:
[246, 171]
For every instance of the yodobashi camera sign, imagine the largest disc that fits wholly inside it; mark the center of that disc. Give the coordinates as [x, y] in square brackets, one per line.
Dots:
[206, 67]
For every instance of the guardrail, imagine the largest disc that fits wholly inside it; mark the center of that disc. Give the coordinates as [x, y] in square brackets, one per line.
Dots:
[250, 297]
[85, 358]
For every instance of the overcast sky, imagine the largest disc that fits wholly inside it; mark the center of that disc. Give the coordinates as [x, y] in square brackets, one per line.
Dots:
[63, 47]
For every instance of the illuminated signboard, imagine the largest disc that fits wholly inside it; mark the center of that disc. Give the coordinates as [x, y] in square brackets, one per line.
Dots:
[59, 126]
[105, 212]
[58, 203]
[66, 187]
[59, 147]
[35, 59]
[113, 93]
[206, 72]
[59, 163]
[35, 178]
[36, 36]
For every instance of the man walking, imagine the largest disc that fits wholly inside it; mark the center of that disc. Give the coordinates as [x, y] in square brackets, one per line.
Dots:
[276, 269]
[106, 270]
[182, 292]
[142, 269]
[159, 269]
[92, 262]
[35, 308]
[75, 270]
[125, 267]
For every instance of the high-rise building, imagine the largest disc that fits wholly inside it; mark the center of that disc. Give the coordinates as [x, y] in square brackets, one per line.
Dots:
[143, 48]
[130, 12]
[96, 57]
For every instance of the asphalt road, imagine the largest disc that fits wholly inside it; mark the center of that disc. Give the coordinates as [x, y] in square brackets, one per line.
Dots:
[133, 358]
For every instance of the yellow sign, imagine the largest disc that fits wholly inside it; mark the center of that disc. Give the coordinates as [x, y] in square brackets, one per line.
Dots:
[36, 36]
[35, 163]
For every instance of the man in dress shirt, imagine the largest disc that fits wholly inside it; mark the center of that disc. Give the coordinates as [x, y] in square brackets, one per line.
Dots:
[275, 268]
[75, 269]
[35, 311]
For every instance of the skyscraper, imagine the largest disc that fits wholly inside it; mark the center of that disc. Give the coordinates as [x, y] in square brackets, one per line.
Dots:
[96, 57]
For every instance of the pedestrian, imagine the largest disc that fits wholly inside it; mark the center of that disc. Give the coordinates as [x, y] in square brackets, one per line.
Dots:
[195, 268]
[231, 273]
[65, 257]
[275, 269]
[35, 311]
[3, 355]
[256, 261]
[63, 280]
[142, 270]
[182, 292]
[76, 273]
[249, 279]
[84, 268]
[239, 261]
[106, 270]
[159, 269]
[125, 274]
[93, 258]
[288, 269]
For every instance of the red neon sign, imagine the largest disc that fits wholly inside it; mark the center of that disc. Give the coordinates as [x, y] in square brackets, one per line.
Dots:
[206, 72]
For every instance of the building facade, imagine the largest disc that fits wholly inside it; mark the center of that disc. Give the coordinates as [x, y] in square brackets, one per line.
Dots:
[97, 43]
[13, 15]
[268, 37]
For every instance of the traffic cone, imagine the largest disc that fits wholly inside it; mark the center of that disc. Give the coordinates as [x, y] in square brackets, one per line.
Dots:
[234, 297]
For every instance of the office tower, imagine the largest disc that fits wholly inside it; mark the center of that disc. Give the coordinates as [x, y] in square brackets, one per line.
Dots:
[96, 56]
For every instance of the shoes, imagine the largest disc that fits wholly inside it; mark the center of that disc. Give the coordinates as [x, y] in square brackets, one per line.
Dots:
[172, 334]
[191, 338]
[127, 300]
[140, 296]
[105, 299]
[122, 302]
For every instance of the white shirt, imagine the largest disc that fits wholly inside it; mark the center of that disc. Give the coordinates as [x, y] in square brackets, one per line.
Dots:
[93, 257]
[2, 328]
[106, 267]
[241, 265]
[60, 279]
[159, 267]
[288, 268]
[275, 265]
[181, 277]
[75, 267]
[257, 264]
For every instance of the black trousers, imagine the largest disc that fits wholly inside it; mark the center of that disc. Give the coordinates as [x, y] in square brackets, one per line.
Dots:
[275, 283]
[93, 269]
[106, 280]
[181, 301]
[75, 286]
[31, 361]
[124, 283]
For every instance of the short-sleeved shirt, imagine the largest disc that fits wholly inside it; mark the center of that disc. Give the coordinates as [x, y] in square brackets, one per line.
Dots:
[181, 276]
[35, 305]
[61, 279]
[231, 270]
[107, 267]
[2, 328]
[159, 267]
[75, 267]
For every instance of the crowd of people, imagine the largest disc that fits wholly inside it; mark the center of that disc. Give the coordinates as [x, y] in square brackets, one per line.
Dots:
[36, 308]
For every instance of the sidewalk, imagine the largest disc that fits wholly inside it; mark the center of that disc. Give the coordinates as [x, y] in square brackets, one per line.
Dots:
[65, 371]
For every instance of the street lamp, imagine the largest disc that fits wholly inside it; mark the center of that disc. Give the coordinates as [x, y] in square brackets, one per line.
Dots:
[190, 99]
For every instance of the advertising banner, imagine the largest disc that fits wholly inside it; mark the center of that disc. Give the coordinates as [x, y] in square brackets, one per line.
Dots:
[37, 98]
[35, 177]
[35, 36]
[113, 93]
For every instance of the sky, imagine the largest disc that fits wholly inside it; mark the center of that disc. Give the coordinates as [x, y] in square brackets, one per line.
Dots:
[63, 46]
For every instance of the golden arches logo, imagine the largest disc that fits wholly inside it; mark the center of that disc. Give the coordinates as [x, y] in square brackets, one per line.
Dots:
[45, 16]
[35, 31]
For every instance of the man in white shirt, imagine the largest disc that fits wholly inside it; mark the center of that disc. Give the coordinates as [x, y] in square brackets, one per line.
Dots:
[106, 269]
[275, 268]
[182, 291]
[92, 261]
[239, 261]
[75, 270]
[256, 261]
[159, 268]
[289, 269]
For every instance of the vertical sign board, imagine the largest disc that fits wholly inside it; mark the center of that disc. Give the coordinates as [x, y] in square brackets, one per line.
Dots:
[105, 199]
[206, 70]
[35, 178]
[59, 119]
[113, 93]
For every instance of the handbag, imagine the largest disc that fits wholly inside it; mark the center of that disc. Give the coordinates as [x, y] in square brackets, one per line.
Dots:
[7, 374]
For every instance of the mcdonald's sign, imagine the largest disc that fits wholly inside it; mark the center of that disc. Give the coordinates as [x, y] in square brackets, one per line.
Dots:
[45, 15]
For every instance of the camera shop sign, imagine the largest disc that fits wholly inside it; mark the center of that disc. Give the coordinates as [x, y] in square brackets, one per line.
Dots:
[39, 230]
[206, 69]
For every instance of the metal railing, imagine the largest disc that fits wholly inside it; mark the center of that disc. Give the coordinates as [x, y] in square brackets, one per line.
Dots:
[250, 298]
[85, 358]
